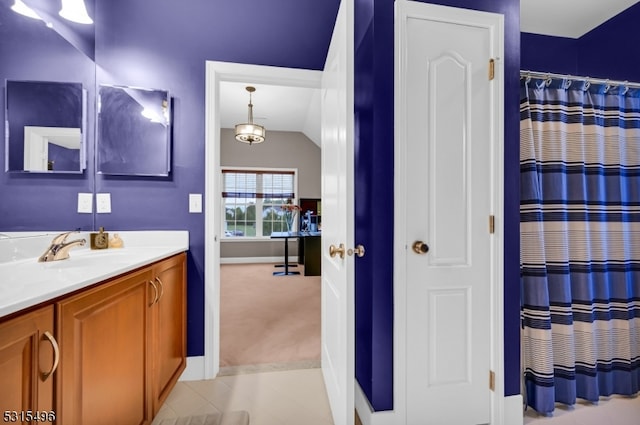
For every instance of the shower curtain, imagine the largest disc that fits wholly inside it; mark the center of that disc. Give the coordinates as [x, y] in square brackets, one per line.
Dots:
[580, 241]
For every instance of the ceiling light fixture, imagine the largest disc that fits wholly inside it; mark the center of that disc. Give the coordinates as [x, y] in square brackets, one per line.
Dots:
[249, 132]
[23, 9]
[75, 11]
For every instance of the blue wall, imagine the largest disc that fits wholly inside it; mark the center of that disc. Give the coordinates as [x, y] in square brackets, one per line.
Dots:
[549, 54]
[31, 51]
[605, 52]
[166, 47]
[373, 81]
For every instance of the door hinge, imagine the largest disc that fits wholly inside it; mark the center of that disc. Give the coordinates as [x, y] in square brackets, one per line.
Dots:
[492, 69]
[492, 380]
[492, 224]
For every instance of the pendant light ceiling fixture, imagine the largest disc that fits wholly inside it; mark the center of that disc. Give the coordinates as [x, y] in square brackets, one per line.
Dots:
[75, 11]
[249, 132]
[20, 7]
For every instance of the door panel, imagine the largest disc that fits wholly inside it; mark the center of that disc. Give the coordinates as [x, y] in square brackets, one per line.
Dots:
[449, 146]
[337, 220]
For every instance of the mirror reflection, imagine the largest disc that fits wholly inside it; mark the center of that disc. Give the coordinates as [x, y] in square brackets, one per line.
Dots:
[134, 131]
[74, 24]
[45, 126]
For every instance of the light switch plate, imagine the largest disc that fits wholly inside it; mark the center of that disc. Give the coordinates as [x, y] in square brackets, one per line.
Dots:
[103, 203]
[195, 202]
[85, 203]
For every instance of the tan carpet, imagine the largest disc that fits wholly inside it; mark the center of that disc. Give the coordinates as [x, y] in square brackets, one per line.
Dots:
[266, 319]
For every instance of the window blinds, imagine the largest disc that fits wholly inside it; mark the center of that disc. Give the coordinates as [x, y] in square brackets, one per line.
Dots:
[258, 184]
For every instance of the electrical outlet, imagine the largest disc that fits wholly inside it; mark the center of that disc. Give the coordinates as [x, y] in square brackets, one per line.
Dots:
[85, 203]
[103, 203]
[195, 202]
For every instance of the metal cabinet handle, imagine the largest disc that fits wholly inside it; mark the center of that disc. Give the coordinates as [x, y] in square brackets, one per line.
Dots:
[333, 251]
[155, 288]
[420, 247]
[157, 279]
[358, 251]
[56, 355]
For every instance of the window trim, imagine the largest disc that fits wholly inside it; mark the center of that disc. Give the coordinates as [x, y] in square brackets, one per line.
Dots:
[257, 170]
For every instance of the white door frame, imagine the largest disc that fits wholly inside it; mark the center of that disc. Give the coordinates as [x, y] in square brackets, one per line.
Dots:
[217, 72]
[404, 11]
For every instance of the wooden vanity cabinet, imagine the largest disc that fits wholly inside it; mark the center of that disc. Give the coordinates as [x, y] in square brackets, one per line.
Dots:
[168, 339]
[28, 358]
[123, 346]
[102, 336]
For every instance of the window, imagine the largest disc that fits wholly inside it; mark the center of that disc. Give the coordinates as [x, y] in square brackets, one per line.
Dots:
[253, 199]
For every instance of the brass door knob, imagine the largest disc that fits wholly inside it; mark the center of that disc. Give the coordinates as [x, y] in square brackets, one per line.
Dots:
[358, 251]
[420, 247]
[333, 250]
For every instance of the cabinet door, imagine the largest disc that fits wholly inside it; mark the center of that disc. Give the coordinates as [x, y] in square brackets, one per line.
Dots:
[168, 335]
[28, 357]
[103, 372]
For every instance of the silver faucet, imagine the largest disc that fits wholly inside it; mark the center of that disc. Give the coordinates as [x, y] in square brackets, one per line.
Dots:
[59, 248]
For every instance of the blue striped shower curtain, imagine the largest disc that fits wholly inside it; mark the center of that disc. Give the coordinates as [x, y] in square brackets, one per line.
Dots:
[580, 241]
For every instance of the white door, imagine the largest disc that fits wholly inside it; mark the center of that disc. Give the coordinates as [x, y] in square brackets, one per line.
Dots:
[337, 220]
[448, 148]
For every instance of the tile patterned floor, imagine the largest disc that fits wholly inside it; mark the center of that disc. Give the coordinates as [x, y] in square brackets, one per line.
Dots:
[291, 397]
[297, 397]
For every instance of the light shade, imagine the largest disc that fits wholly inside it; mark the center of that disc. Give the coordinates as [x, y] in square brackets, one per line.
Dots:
[23, 9]
[249, 132]
[75, 11]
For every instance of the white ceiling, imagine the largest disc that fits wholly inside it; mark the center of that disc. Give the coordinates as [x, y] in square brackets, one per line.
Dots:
[568, 18]
[280, 108]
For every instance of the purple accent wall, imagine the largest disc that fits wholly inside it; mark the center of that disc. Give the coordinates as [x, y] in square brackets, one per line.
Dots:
[373, 86]
[604, 52]
[166, 47]
[609, 51]
[63, 158]
[31, 51]
[548, 54]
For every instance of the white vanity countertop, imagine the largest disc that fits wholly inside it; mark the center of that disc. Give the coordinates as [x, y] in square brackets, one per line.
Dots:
[24, 282]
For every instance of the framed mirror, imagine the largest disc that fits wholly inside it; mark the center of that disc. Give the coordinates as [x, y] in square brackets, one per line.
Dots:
[45, 127]
[134, 131]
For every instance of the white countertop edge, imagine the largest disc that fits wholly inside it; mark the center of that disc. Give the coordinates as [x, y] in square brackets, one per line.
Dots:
[144, 248]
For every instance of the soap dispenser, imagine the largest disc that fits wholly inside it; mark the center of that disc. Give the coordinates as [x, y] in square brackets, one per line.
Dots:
[100, 240]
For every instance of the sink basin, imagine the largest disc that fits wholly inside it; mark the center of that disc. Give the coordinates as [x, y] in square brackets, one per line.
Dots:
[26, 282]
[90, 259]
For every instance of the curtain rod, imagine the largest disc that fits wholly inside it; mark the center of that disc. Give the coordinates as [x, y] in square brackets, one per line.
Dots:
[546, 75]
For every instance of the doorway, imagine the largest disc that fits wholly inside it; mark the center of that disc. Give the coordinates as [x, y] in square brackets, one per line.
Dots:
[337, 246]
[217, 73]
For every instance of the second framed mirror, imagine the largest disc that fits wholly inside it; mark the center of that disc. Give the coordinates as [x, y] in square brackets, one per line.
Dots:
[134, 131]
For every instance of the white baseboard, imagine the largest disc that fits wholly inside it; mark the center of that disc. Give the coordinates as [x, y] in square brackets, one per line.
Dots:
[366, 413]
[257, 260]
[513, 414]
[194, 370]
